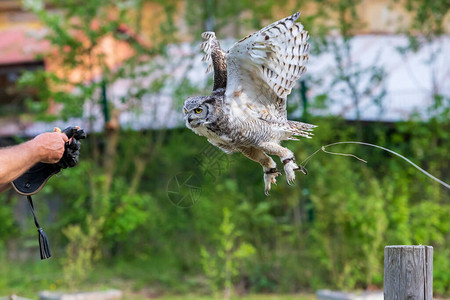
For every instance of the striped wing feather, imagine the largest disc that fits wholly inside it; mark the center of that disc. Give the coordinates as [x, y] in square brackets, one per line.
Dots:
[264, 67]
[206, 46]
[215, 56]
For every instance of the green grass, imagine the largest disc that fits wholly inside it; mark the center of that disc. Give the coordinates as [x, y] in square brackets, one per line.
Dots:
[246, 297]
[137, 280]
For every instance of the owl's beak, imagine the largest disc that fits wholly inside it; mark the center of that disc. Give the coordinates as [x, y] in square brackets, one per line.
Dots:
[189, 119]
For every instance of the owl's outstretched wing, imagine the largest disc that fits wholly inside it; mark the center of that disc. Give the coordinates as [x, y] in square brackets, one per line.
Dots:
[216, 58]
[263, 68]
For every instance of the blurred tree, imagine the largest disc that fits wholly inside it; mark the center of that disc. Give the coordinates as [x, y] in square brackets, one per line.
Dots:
[224, 16]
[96, 44]
[222, 266]
[82, 251]
[427, 30]
[427, 33]
[334, 29]
[429, 18]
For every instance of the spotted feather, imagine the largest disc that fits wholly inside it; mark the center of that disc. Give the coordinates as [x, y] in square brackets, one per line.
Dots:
[267, 64]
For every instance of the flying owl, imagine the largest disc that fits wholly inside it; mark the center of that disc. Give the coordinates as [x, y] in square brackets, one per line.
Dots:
[246, 111]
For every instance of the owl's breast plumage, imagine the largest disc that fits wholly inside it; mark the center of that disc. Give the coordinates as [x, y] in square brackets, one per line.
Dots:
[238, 126]
[217, 136]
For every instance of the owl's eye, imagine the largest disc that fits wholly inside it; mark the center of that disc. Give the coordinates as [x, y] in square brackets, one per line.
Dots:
[185, 111]
[198, 110]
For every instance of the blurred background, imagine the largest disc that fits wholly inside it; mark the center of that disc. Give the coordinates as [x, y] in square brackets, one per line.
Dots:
[155, 211]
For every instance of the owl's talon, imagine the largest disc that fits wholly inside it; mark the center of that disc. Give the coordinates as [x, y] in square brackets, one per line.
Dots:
[269, 177]
[289, 168]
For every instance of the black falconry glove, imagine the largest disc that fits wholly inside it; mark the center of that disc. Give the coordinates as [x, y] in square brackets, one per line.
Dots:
[37, 176]
[72, 151]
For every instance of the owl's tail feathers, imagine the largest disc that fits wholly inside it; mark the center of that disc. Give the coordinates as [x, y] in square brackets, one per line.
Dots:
[300, 129]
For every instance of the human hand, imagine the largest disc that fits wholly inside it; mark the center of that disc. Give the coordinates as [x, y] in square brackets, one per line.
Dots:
[49, 146]
[70, 156]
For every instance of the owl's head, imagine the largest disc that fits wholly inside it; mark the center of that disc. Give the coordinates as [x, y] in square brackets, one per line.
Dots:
[199, 111]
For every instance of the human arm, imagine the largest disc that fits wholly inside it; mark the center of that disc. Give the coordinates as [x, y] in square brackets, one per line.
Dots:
[16, 160]
[4, 187]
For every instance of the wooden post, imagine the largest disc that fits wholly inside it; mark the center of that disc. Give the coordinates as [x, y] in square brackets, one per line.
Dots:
[408, 272]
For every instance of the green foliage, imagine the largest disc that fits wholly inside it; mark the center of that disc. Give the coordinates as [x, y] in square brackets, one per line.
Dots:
[81, 251]
[348, 229]
[127, 215]
[429, 17]
[427, 28]
[350, 80]
[76, 31]
[327, 232]
[8, 225]
[215, 15]
[222, 266]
